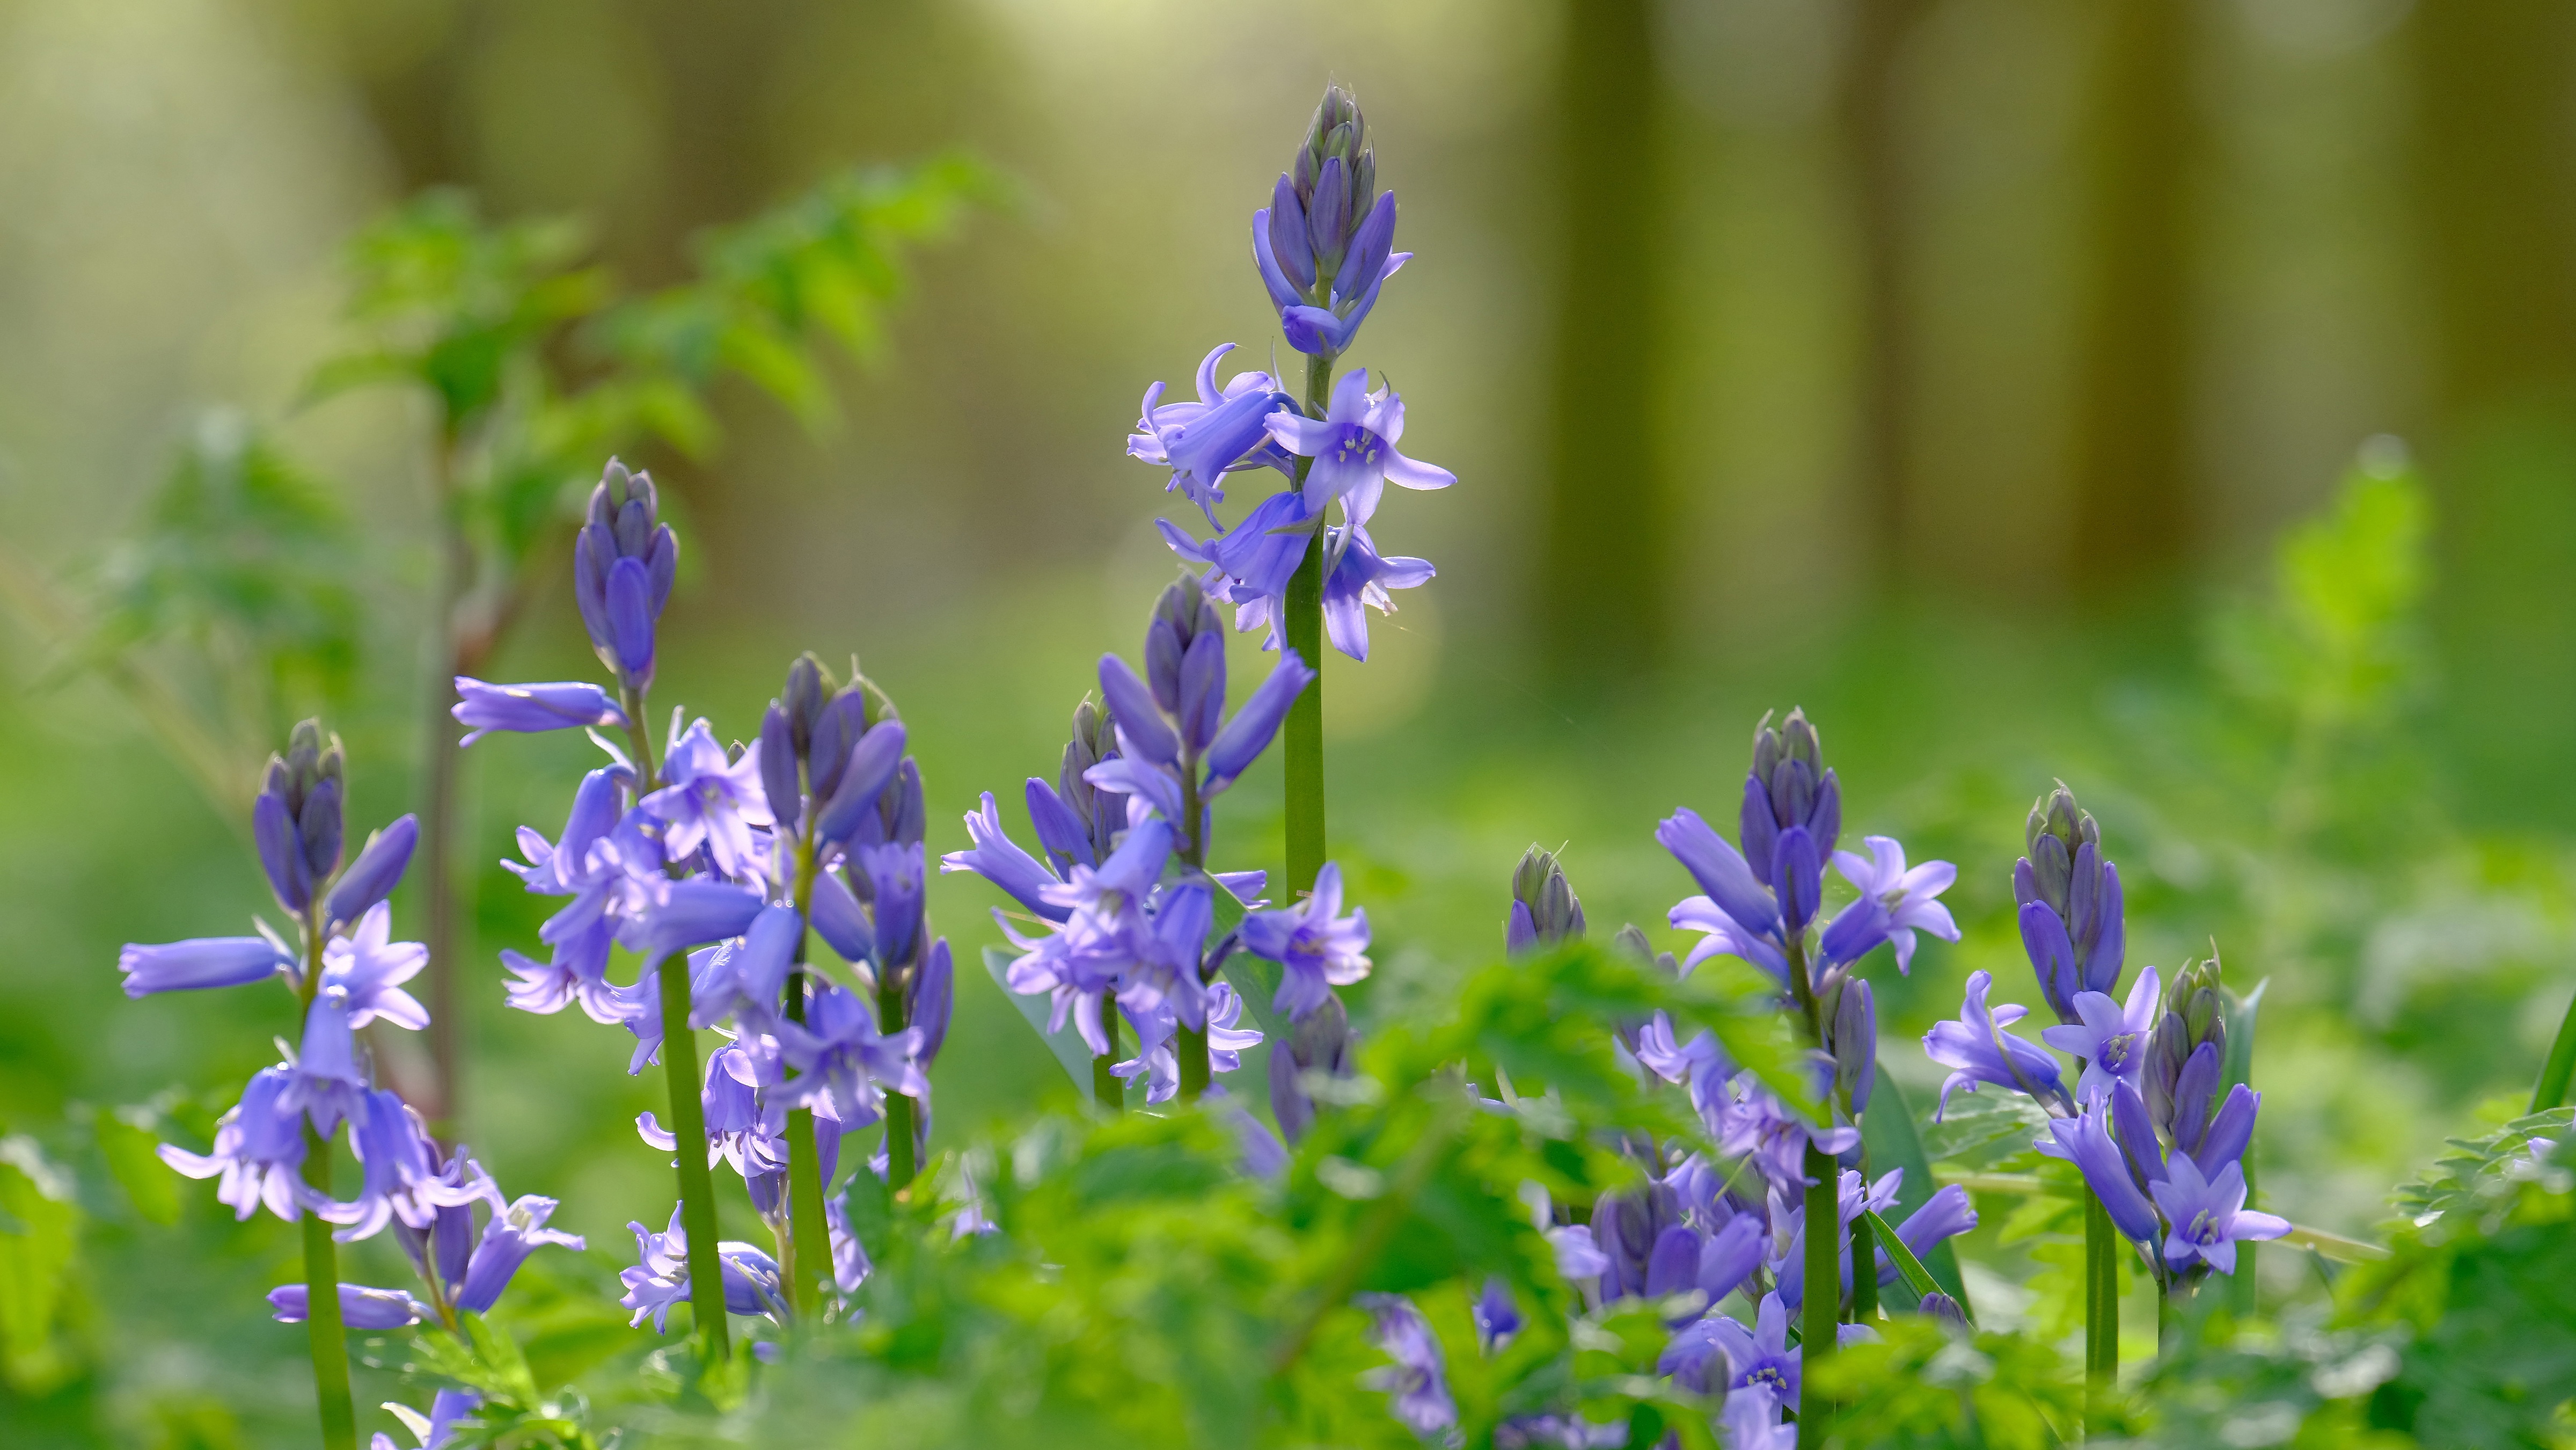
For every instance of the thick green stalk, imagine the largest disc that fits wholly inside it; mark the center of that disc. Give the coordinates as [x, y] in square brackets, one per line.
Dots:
[1302, 741]
[322, 1308]
[810, 1266]
[1107, 1088]
[2101, 1311]
[1190, 1044]
[1821, 1320]
[900, 1166]
[697, 1187]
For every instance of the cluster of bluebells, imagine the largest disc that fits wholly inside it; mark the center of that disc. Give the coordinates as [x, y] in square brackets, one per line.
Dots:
[1122, 909]
[337, 958]
[1718, 1230]
[2149, 1119]
[1323, 249]
[720, 863]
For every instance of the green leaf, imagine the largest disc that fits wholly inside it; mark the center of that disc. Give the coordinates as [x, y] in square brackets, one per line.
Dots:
[2551, 1090]
[2239, 1013]
[1066, 1043]
[1888, 1133]
[38, 1253]
[1908, 1267]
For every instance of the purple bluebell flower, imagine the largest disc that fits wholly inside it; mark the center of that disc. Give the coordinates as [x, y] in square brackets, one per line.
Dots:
[447, 1411]
[360, 1307]
[326, 1083]
[930, 997]
[1322, 246]
[402, 1179]
[2072, 922]
[1945, 1215]
[2208, 1215]
[2230, 1132]
[1353, 448]
[998, 859]
[623, 562]
[1318, 948]
[1249, 732]
[508, 1239]
[2085, 1140]
[874, 764]
[1852, 1038]
[1752, 1124]
[844, 1066]
[1726, 878]
[687, 913]
[1255, 559]
[745, 1125]
[660, 1277]
[839, 921]
[364, 972]
[372, 877]
[894, 871]
[710, 801]
[744, 976]
[215, 961]
[530, 709]
[1417, 1383]
[1752, 1419]
[1221, 432]
[1360, 576]
[1978, 1050]
[2110, 1039]
[1157, 1061]
[1078, 966]
[297, 818]
[1320, 1044]
[1907, 897]
[1497, 1316]
[258, 1150]
[1761, 1356]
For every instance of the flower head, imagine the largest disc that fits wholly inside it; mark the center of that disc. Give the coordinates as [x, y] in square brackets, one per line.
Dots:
[2208, 1216]
[623, 563]
[1906, 897]
[215, 961]
[530, 709]
[365, 971]
[1360, 577]
[1978, 1049]
[258, 1150]
[1204, 440]
[1353, 448]
[2111, 1039]
[1417, 1383]
[1318, 948]
[296, 819]
[710, 801]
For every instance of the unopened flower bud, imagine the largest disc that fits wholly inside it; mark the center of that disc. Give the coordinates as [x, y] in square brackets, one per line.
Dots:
[298, 818]
[1789, 786]
[1855, 1044]
[2066, 874]
[623, 562]
[1544, 909]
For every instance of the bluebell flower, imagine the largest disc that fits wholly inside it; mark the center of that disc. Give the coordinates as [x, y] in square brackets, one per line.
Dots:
[1249, 732]
[1078, 965]
[402, 1178]
[360, 1307]
[1321, 1043]
[2230, 1132]
[1497, 1316]
[530, 709]
[2208, 1215]
[1978, 1050]
[2072, 922]
[364, 972]
[930, 997]
[1852, 1039]
[2110, 1039]
[1752, 1124]
[1907, 897]
[1545, 911]
[745, 1125]
[711, 802]
[839, 920]
[609, 862]
[512, 1234]
[258, 1150]
[1417, 1383]
[325, 1082]
[844, 1066]
[660, 1277]
[1157, 1061]
[1322, 245]
[1730, 888]
[1221, 432]
[1752, 1419]
[874, 764]
[447, 1411]
[1761, 1356]
[2085, 1140]
[686, 913]
[1255, 559]
[1318, 948]
[623, 563]
[998, 859]
[297, 818]
[744, 976]
[1326, 330]
[1945, 1215]
[894, 872]
[1353, 448]
[215, 961]
[1361, 577]
[372, 877]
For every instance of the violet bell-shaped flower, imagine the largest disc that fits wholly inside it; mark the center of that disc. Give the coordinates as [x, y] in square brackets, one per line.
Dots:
[2086, 1141]
[2111, 1040]
[1978, 1049]
[182, 966]
[1158, 1060]
[509, 1237]
[660, 1277]
[998, 859]
[258, 1150]
[1906, 897]
[1417, 1382]
[1219, 433]
[709, 801]
[2208, 1216]
[1323, 244]
[624, 560]
[373, 876]
[1788, 788]
[531, 709]
[360, 1306]
[1353, 448]
[1360, 577]
[365, 971]
[1317, 948]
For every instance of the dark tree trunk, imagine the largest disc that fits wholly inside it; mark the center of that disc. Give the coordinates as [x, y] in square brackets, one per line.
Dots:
[1608, 520]
[1874, 158]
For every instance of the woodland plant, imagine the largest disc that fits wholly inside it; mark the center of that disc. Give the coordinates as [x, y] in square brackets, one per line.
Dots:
[1604, 1195]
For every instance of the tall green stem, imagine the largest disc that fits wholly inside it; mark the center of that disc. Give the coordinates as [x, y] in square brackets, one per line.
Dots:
[1190, 1044]
[1107, 1088]
[2101, 1312]
[1303, 739]
[697, 1187]
[1820, 1323]
[322, 1308]
[810, 1266]
[900, 1166]
[1864, 1242]
[688, 1116]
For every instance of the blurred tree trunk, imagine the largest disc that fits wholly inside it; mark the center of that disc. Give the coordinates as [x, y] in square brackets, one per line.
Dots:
[2134, 515]
[1606, 556]
[1874, 157]
[2497, 187]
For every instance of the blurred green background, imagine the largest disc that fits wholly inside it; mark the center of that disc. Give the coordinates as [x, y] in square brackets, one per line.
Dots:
[2015, 385]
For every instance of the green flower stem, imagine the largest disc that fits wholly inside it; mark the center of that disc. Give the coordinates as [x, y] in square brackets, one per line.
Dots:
[1190, 1045]
[1107, 1088]
[1302, 741]
[697, 1188]
[810, 1265]
[900, 1167]
[1821, 1317]
[2101, 1311]
[1864, 1241]
[322, 1308]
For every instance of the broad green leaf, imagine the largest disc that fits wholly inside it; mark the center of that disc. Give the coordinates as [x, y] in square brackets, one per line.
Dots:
[132, 1152]
[1067, 1044]
[37, 1255]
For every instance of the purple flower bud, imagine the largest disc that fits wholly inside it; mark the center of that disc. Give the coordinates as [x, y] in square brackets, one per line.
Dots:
[2194, 1090]
[1673, 1264]
[623, 562]
[1248, 733]
[218, 961]
[2086, 1141]
[1757, 829]
[1719, 871]
[1731, 1254]
[838, 725]
[2136, 1132]
[281, 854]
[1798, 875]
[1940, 1306]
[2052, 957]
[1328, 215]
[1142, 730]
[360, 1306]
[685, 914]
[1855, 1044]
[839, 921]
[372, 877]
[778, 757]
[1202, 692]
[1065, 836]
[1289, 241]
[528, 709]
[630, 622]
[869, 768]
[1368, 251]
[2231, 1132]
[513, 1234]
[894, 872]
[933, 994]
[2110, 946]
